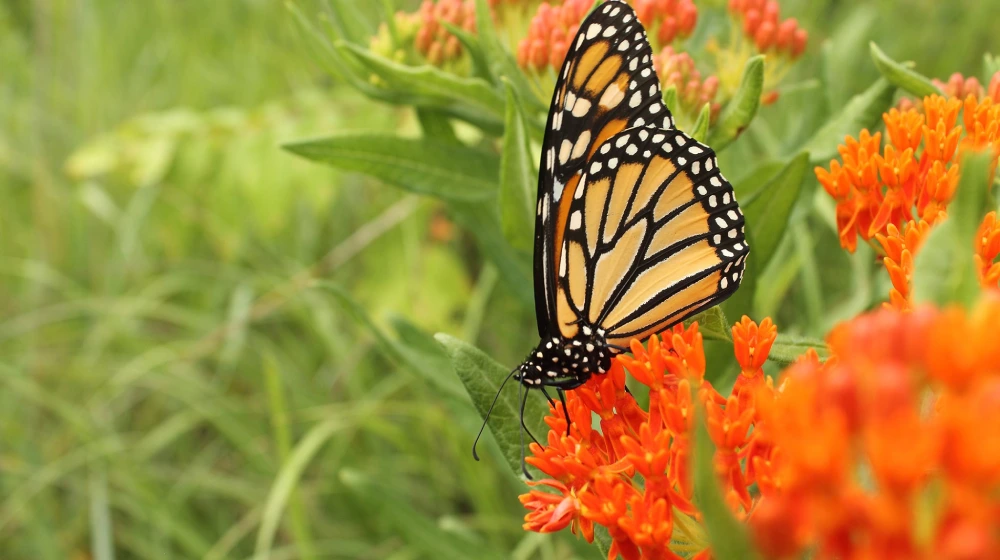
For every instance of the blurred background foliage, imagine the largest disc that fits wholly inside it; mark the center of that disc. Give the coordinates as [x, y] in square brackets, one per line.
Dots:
[211, 348]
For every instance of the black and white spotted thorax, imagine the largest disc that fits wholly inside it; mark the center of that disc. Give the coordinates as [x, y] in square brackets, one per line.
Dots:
[566, 363]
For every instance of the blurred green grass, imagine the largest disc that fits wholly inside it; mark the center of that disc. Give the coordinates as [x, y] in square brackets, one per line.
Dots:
[212, 349]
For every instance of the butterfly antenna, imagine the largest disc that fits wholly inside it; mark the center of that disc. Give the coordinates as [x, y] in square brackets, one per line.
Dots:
[490, 411]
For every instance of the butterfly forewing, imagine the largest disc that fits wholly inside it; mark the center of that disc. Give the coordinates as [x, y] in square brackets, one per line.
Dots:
[607, 84]
[654, 236]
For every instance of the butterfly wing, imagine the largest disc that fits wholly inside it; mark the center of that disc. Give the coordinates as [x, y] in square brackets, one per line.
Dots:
[607, 84]
[654, 236]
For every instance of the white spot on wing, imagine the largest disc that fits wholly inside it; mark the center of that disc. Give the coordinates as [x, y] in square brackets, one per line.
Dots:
[565, 149]
[582, 142]
[575, 220]
[581, 108]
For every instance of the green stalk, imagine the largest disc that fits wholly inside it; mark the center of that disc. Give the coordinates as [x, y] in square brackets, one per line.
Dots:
[278, 409]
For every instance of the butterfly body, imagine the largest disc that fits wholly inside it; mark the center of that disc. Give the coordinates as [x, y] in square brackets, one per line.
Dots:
[566, 363]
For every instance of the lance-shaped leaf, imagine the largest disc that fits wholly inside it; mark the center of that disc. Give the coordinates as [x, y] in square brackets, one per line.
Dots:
[482, 219]
[738, 113]
[502, 63]
[901, 76]
[712, 324]
[482, 377]
[700, 129]
[471, 99]
[864, 110]
[424, 166]
[517, 178]
[944, 270]
[728, 537]
[769, 208]
[787, 348]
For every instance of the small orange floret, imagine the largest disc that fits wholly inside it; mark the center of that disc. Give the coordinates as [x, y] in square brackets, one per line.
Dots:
[763, 26]
[667, 19]
[549, 34]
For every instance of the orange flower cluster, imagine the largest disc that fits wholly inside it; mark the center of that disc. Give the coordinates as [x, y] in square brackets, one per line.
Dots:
[961, 87]
[763, 26]
[433, 40]
[633, 475]
[910, 180]
[667, 20]
[987, 249]
[889, 449]
[693, 92]
[551, 30]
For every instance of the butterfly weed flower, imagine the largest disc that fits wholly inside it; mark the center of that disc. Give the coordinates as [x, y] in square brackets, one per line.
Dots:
[759, 29]
[895, 191]
[960, 87]
[549, 35]
[678, 69]
[987, 245]
[433, 40]
[631, 473]
[667, 20]
[881, 451]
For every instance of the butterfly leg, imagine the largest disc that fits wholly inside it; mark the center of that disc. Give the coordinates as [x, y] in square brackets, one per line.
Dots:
[523, 401]
[562, 399]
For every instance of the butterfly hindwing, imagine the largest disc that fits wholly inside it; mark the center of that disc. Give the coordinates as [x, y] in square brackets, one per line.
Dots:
[654, 236]
[607, 84]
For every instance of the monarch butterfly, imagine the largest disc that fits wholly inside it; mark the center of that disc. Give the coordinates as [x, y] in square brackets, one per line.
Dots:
[636, 227]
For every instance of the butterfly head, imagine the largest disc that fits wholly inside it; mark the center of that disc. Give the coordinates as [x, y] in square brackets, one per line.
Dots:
[566, 363]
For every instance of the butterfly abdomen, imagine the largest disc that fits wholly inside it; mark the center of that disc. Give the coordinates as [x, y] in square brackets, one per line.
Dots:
[567, 363]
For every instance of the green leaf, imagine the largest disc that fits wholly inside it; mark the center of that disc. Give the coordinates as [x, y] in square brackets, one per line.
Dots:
[424, 166]
[502, 63]
[602, 539]
[348, 23]
[332, 59]
[729, 538]
[741, 302]
[842, 59]
[482, 219]
[436, 125]
[700, 129]
[670, 100]
[482, 377]
[864, 110]
[742, 108]
[414, 349]
[517, 178]
[972, 198]
[712, 324]
[749, 185]
[412, 526]
[901, 76]
[787, 348]
[991, 65]
[944, 270]
[472, 45]
[768, 209]
[471, 99]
